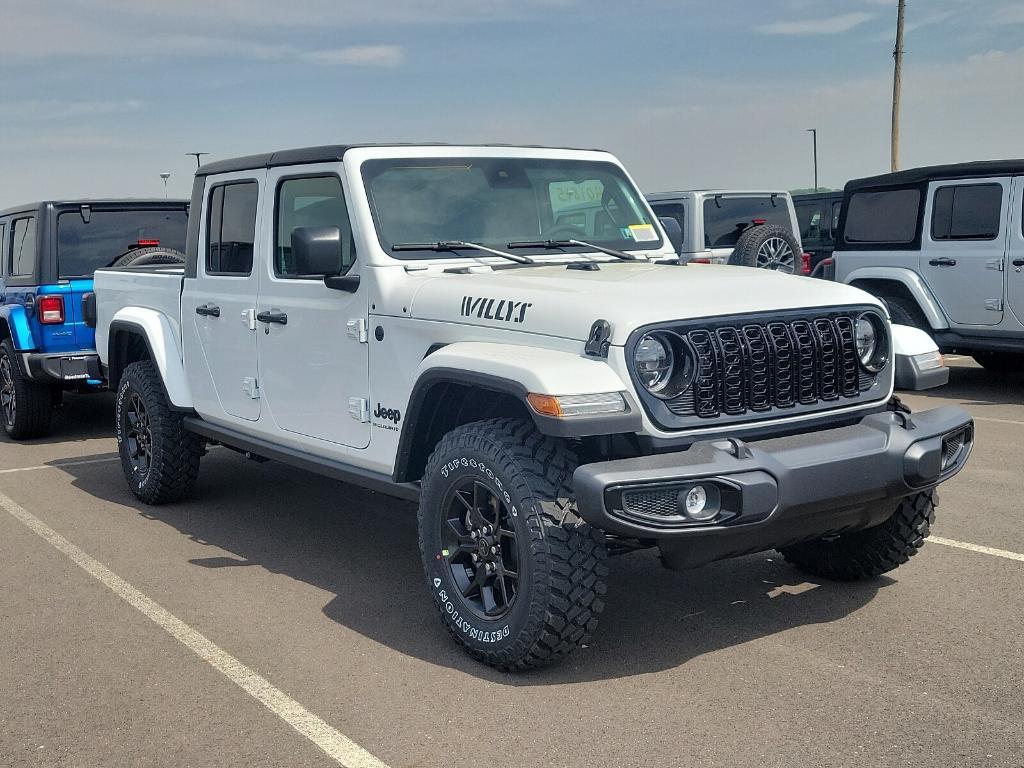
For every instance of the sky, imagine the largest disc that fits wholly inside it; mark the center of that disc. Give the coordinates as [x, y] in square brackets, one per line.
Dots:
[101, 96]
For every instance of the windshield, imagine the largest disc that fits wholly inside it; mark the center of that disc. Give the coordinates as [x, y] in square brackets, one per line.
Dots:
[83, 248]
[497, 201]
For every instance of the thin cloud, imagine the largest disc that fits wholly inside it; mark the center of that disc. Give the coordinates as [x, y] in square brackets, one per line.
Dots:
[828, 26]
[358, 56]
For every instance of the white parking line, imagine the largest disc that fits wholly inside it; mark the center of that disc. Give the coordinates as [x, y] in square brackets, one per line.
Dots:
[335, 744]
[59, 464]
[977, 548]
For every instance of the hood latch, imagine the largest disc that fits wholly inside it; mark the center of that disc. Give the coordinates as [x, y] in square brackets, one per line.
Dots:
[598, 340]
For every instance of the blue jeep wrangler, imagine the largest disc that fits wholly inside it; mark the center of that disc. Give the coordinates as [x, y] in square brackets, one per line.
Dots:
[47, 310]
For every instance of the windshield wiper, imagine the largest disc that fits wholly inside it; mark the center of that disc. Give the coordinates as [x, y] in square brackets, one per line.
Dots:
[566, 243]
[455, 245]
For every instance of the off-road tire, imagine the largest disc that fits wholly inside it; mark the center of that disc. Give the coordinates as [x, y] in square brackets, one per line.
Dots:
[173, 458]
[32, 402]
[562, 560]
[1000, 362]
[905, 312]
[869, 553]
[152, 256]
[750, 242]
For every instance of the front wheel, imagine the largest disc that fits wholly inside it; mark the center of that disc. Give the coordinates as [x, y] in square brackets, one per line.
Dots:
[518, 577]
[160, 458]
[873, 551]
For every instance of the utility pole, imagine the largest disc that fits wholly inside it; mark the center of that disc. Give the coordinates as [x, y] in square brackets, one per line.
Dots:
[897, 55]
[814, 134]
[197, 155]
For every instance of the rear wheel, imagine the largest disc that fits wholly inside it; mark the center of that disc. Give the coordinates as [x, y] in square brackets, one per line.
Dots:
[26, 407]
[160, 458]
[517, 576]
[873, 551]
[1000, 362]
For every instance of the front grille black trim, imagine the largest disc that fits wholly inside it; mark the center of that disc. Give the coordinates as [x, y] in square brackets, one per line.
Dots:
[762, 366]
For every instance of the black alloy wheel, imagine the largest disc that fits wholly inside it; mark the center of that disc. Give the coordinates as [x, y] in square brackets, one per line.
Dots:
[479, 548]
[7, 396]
[138, 436]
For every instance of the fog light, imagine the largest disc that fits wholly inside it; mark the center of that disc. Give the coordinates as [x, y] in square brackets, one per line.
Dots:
[695, 504]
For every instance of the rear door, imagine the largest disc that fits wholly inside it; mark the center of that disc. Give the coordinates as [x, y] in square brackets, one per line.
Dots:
[1015, 268]
[314, 360]
[727, 216]
[963, 247]
[217, 308]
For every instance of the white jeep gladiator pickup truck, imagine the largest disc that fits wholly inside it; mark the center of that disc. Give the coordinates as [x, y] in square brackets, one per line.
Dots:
[428, 322]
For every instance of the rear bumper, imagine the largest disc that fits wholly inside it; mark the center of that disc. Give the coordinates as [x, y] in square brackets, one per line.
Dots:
[62, 367]
[775, 492]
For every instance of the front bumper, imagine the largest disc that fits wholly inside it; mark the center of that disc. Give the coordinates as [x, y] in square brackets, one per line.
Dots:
[62, 367]
[778, 491]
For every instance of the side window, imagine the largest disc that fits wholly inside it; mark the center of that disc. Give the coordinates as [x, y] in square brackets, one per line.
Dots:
[23, 247]
[315, 201]
[837, 208]
[967, 212]
[3, 241]
[231, 228]
[675, 211]
[887, 216]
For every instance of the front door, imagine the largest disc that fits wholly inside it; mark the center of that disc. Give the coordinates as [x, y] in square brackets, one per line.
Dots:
[963, 248]
[312, 340]
[1015, 240]
[217, 307]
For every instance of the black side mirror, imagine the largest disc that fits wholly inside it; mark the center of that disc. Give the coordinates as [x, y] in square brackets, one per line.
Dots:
[317, 250]
[674, 232]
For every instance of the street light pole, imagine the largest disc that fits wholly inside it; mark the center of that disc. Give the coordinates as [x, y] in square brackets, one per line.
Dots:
[165, 176]
[197, 155]
[814, 134]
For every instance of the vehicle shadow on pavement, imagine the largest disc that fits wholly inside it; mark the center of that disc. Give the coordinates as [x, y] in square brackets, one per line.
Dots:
[362, 548]
[973, 385]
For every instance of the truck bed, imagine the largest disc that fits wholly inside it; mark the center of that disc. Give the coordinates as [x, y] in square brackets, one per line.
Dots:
[155, 287]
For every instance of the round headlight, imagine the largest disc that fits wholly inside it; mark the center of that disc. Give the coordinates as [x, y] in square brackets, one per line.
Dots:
[867, 339]
[653, 361]
[872, 342]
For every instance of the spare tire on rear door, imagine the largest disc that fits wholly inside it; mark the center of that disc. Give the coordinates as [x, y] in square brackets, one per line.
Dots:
[145, 257]
[767, 246]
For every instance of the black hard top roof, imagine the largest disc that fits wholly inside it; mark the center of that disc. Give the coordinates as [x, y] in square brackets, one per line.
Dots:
[912, 176]
[329, 153]
[149, 202]
[807, 196]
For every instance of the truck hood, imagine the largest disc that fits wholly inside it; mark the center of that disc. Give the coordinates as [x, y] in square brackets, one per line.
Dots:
[556, 301]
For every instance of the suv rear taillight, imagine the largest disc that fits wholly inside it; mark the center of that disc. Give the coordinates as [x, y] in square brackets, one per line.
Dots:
[51, 310]
[805, 263]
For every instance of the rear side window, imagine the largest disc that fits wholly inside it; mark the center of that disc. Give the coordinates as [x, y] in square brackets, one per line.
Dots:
[967, 212]
[315, 201]
[888, 216]
[231, 229]
[726, 218]
[675, 211]
[809, 216]
[23, 247]
[3, 238]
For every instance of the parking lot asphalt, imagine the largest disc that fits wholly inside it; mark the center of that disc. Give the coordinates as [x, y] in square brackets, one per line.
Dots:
[316, 588]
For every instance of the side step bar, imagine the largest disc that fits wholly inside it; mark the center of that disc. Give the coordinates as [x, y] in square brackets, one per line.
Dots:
[307, 461]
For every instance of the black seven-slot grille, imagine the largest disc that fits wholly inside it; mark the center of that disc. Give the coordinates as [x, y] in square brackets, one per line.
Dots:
[758, 366]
